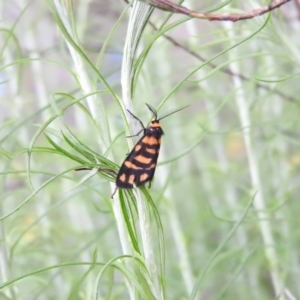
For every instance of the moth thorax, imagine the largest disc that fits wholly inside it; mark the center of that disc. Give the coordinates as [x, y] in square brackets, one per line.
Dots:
[155, 128]
[155, 123]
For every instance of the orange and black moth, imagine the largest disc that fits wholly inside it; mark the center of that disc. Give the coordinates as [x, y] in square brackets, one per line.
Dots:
[140, 164]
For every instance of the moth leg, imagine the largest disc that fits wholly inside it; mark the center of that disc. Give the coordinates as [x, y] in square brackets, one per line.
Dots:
[135, 117]
[129, 136]
[112, 195]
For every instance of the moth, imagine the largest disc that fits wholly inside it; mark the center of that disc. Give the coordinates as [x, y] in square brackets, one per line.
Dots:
[140, 164]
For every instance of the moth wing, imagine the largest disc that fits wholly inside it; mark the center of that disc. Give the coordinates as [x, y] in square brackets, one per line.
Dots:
[139, 166]
[151, 146]
[126, 175]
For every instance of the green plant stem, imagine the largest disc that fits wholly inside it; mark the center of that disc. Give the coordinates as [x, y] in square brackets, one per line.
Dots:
[254, 172]
[138, 19]
[96, 107]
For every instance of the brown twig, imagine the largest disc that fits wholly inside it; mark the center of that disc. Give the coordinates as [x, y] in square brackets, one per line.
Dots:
[170, 6]
[297, 3]
[224, 69]
[104, 170]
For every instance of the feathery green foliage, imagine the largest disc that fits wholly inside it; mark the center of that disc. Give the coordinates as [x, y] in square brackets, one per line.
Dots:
[220, 220]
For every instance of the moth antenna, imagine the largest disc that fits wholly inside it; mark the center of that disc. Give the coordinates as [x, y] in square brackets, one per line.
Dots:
[153, 110]
[173, 112]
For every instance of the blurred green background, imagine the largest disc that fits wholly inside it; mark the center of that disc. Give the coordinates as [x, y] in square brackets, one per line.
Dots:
[227, 184]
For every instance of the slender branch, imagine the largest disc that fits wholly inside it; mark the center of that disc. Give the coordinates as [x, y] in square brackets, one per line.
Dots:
[297, 4]
[224, 69]
[170, 6]
[227, 70]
